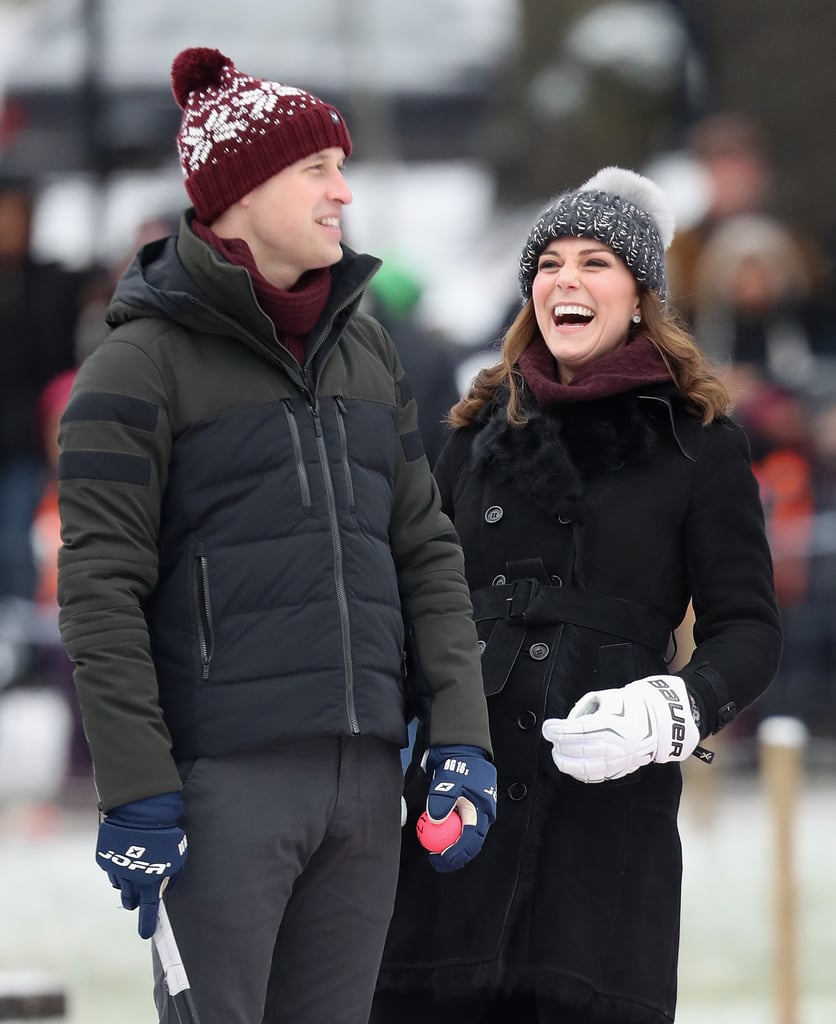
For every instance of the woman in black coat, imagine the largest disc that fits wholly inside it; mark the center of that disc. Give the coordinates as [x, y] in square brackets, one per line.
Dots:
[597, 486]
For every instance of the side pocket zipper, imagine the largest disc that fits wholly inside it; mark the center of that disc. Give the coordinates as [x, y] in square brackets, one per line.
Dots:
[301, 473]
[349, 484]
[205, 633]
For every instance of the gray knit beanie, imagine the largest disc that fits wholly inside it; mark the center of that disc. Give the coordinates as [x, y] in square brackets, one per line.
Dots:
[620, 208]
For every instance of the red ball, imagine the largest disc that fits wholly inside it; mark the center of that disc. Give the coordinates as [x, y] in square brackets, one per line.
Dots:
[437, 836]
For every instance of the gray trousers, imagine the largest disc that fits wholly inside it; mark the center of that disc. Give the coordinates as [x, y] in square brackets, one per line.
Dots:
[282, 909]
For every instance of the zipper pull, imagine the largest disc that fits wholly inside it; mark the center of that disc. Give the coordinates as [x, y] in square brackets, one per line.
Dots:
[316, 420]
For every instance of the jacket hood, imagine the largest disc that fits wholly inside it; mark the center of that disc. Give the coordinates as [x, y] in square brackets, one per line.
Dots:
[181, 278]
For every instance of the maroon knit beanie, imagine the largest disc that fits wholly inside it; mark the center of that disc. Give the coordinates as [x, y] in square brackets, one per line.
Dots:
[238, 131]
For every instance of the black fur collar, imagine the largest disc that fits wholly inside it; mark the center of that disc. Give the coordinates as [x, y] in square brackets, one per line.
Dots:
[550, 456]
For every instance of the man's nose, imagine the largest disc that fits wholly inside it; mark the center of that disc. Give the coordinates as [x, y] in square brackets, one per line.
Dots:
[340, 190]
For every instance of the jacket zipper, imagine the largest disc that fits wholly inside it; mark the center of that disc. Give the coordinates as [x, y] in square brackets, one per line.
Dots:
[301, 472]
[312, 396]
[349, 484]
[325, 334]
[336, 542]
[339, 579]
[205, 634]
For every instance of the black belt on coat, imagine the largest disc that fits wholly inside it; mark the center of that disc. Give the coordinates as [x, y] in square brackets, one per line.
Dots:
[529, 602]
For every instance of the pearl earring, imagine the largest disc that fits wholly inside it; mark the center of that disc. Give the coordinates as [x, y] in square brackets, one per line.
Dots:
[637, 318]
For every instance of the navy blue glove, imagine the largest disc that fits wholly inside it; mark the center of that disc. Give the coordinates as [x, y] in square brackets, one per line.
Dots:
[462, 780]
[143, 849]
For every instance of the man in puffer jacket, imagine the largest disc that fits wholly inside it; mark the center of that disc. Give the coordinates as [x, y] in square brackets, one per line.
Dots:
[250, 530]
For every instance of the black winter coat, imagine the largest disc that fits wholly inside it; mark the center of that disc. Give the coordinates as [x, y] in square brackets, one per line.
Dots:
[585, 536]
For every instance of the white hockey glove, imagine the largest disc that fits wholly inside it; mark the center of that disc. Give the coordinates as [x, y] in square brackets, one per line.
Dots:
[610, 733]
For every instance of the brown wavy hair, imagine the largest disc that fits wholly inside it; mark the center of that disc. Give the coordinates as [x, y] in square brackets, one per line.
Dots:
[694, 375]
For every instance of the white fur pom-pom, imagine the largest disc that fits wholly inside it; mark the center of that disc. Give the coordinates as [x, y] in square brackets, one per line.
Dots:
[639, 190]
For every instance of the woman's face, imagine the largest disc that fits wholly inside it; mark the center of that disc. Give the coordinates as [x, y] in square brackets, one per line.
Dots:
[584, 297]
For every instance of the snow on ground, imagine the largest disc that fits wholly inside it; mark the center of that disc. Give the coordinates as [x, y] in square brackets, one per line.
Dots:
[727, 963]
[61, 917]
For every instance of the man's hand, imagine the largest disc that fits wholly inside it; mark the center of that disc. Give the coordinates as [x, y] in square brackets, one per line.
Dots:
[610, 733]
[462, 779]
[143, 849]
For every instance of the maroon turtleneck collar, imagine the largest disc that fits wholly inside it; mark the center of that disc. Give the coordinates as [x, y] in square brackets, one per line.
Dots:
[294, 313]
[626, 369]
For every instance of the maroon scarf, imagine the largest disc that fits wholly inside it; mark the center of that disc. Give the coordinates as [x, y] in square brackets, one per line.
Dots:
[294, 313]
[626, 369]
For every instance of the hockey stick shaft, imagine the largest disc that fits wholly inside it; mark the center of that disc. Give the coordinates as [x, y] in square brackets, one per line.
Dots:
[176, 979]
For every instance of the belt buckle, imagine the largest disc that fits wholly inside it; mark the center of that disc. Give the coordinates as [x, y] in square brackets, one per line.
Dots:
[518, 601]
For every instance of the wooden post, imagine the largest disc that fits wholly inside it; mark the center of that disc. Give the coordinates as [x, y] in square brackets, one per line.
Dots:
[782, 741]
[30, 995]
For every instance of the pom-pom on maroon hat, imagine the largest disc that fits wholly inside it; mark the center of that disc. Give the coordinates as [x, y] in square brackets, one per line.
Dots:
[238, 131]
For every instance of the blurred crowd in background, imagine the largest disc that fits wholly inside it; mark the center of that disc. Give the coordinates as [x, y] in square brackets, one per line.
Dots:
[754, 283]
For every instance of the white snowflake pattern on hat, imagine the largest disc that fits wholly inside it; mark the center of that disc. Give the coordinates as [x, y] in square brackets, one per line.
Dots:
[237, 131]
[261, 100]
[247, 106]
[198, 141]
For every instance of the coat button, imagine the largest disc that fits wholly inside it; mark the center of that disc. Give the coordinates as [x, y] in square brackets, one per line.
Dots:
[482, 645]
[563, 520]
[556, 581]
[493, 514]
[517, 791]
[527, 720]
[539, 651]
[498, 581]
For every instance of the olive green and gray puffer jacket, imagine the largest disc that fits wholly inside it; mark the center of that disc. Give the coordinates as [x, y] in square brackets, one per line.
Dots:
[244, 540]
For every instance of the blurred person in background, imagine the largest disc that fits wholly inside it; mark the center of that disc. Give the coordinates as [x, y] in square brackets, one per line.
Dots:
[756, 304]
[46, 525]
[732, 152]
[42, 745]
[793, 438]
[816, 680]
[429, 359]
[776, 422]
[759, 314]
[56, 667]
[598, 486]
[39, 305]
[250, 527]
[92, 326]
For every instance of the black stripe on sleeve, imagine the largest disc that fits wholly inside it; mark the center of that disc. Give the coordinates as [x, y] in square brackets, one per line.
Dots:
[115, 467]
[106, 405]
[412, 445]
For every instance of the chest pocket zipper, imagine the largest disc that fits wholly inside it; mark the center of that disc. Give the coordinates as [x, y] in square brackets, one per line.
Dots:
[301, 472]
[205, 632]
[349, 484]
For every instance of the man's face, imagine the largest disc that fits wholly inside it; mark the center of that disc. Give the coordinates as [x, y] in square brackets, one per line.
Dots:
[292, 221]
